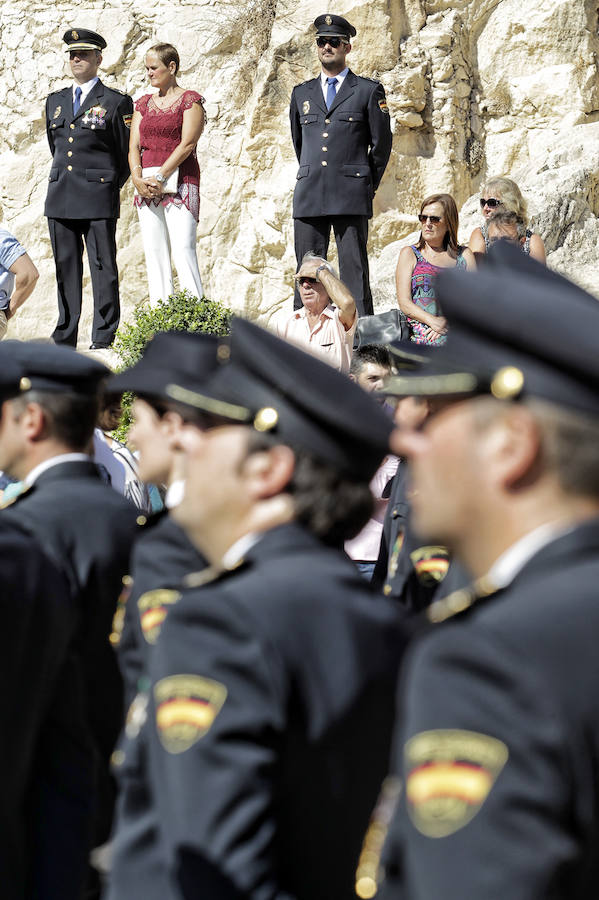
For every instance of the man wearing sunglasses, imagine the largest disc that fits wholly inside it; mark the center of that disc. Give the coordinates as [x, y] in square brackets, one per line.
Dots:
[341, 133]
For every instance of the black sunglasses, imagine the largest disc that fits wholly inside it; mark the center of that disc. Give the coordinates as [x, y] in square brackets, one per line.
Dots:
[434, 219]
[333, 41]
[491, 202]
[302, 278]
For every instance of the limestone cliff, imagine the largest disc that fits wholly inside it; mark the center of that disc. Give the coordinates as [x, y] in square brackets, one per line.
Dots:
[475, 88]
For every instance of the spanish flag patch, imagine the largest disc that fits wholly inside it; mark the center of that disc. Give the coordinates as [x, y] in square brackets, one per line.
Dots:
[127, 119]
[383, 106]
[449, 775]
[153, 608]
[430, 564]
[186, 707]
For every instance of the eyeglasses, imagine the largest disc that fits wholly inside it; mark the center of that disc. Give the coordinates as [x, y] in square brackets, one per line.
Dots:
[491, 202]
[301, 279]
[333, 41]
[434, 219]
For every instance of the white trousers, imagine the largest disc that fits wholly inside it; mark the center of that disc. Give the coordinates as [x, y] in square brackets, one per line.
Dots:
[169, 230]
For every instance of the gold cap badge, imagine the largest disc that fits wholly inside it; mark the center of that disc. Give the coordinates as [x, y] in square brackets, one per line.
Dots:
[328, 20]
[266, 419]
[507, 383]
[24, 384]
[75, 35]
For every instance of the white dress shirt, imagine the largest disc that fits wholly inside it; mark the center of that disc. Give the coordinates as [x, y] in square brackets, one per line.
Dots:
[506, 567]
[85, 88]
[55, 461]
[324, 85]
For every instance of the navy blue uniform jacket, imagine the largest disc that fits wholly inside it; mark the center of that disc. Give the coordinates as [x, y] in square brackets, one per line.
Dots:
[500, 741]
[343, 151]
[89, 153]
[268, 727]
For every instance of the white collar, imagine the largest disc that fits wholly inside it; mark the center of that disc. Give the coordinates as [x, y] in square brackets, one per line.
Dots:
[340, 76]
[85, 88]
[237, 551]
[55, 461]
[506, 567]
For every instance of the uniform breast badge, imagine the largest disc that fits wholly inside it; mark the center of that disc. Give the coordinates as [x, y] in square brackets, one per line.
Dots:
[96, 115]
[306, 107]
[57, 112]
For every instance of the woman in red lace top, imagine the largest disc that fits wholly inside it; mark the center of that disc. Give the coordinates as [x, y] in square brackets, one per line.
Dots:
[165, 130]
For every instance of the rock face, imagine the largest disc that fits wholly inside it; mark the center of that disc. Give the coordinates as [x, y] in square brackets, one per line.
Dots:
[475, 88]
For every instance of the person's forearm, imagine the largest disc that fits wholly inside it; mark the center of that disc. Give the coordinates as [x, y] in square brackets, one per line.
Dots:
[411, 309]
[338, 293]
[179, 155]
[23, 289]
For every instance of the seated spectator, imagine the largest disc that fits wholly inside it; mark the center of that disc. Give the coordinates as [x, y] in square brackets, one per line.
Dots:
[18, 277]
[326, 323]
[119, 461]
[503, 195]
[370, 365]
[418, 265]
[506, 226]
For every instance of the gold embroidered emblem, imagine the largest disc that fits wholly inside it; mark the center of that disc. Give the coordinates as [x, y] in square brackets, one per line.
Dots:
[75, 35]
[306, 107]
[57, 112]
[450, 774]
[186, 707]
[153, 609]
[328, 20]
[430, 564]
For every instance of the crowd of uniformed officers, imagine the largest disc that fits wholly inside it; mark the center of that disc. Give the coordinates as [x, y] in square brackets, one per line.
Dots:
[214, 703]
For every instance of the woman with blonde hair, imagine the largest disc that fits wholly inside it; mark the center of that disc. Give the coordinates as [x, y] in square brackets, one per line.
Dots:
[418, 265]
[501, 194]
[165, 130]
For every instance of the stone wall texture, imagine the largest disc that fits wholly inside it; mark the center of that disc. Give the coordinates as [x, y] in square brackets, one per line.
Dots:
[475, 88]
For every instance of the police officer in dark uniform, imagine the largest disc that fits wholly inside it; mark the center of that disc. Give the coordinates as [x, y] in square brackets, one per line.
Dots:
[342, 138]
[87, 528]
[267, 715]
[498, 745]
[38, 619]
[88, 131]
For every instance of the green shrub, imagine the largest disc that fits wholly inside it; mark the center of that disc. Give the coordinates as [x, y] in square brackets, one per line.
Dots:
[181, 312]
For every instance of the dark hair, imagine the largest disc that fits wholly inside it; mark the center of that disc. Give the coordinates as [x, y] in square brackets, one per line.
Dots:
[329, 504]
[370, 353]
[166, 53]
[70, 418]
[450, 213]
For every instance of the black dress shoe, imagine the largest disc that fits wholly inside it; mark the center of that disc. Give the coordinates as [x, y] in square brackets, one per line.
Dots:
[96, 346]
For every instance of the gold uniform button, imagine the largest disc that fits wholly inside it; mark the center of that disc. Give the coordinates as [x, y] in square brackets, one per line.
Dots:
[357, 174]
[325, 133]
[92, 127]
[325, 149]
[71, 139]
[101, 179]
[324, 162]
[70, 168]
[351, 118]
[70, 126]
[70, 153]
[387, 590]
[117, 758]
[141, 520]
[327, 121]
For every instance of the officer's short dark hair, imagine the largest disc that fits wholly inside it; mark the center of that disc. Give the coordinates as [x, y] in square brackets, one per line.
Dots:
[370, 353]
[330, 504]
[569, 442]
[70, 418]
[166, 53]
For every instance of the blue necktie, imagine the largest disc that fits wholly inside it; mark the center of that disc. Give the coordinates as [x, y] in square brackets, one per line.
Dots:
[331, 92]
[77, 101]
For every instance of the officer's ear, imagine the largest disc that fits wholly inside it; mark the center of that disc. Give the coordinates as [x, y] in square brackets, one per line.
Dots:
[268, 472]
[347, 47]
[98, 57]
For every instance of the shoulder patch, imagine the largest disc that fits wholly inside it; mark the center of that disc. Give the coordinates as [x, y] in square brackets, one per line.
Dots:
[430, 564]
[449, 775]
[383, 106]
[127, 120]
[186, 707]
[153, 609]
